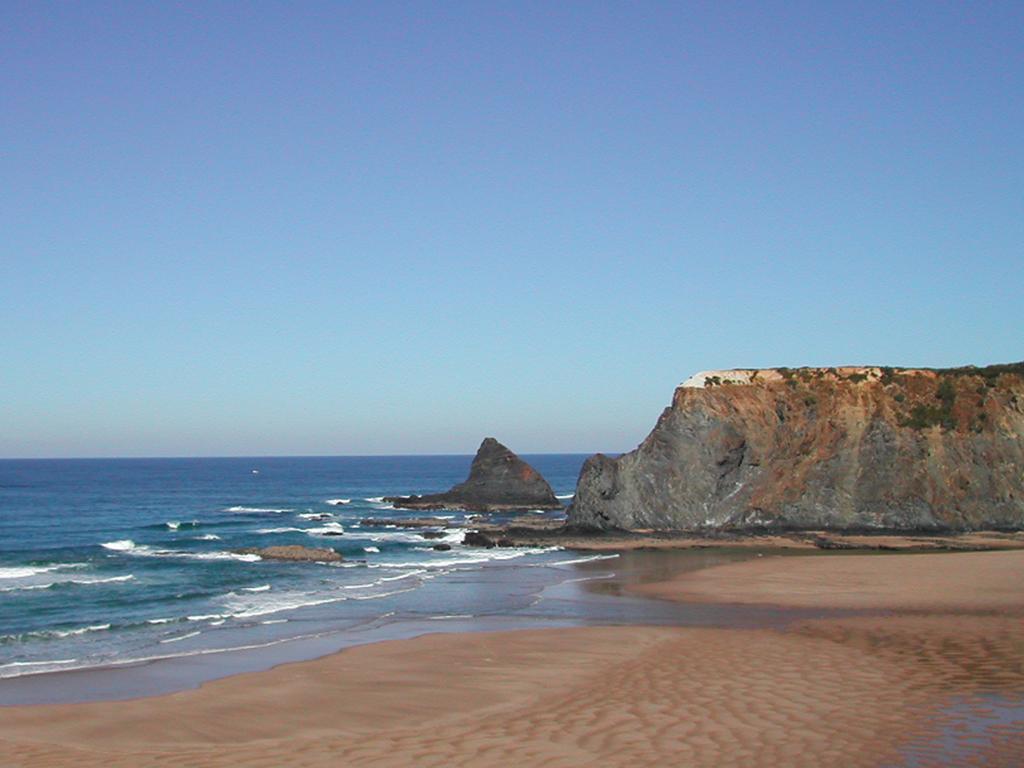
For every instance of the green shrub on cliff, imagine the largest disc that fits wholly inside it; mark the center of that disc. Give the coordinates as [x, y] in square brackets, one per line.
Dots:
[923, 416]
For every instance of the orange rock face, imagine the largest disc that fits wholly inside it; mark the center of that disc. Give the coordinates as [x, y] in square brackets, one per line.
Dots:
[843, 448]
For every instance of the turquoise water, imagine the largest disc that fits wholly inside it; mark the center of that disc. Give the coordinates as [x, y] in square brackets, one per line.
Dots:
[109, 562]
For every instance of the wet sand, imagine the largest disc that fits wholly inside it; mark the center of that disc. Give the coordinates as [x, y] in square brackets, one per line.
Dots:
[969, 581]
[931, 674]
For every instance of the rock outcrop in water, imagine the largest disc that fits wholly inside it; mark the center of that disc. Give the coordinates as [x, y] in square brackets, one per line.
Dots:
[294, 552]
[498, 480]
[828, 448]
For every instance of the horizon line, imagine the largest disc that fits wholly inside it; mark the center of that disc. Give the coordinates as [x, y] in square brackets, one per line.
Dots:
[296, 456]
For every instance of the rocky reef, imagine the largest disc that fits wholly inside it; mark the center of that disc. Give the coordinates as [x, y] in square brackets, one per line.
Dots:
[295, 553]
[856, 448]
[498, 480]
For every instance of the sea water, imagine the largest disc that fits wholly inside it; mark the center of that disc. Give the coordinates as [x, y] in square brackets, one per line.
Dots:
[116, 562]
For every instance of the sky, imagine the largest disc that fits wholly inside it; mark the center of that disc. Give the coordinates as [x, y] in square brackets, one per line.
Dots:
[390, 228]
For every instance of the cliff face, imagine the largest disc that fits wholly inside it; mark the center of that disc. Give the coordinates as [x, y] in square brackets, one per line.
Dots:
[822, 448]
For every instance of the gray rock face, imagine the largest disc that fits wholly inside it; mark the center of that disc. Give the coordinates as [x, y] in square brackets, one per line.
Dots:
[498, 480]
[849, 448]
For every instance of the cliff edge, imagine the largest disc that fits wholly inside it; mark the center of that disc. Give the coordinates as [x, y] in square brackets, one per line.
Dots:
[833, 448]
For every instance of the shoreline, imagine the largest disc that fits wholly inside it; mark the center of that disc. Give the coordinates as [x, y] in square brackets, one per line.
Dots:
[583, 588]
[624, 695]
[527, 532]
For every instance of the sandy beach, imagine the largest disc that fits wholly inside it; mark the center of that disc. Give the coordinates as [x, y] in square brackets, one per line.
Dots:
[929, 671]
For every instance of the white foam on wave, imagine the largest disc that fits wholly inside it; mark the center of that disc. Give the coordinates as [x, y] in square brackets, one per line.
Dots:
[205, 616]
[249, 606]
[275, 621]
[58, 633]
[24, 668]
[121, 545]
[61, 582]
[256, 510]
[33, 667]
[181, 637]
[327, 529]
[281, 530]
[371, 550]
[24, 571]
[27, 587]
[161, 621]
[392, 536]
[108, 580]
[216, 556]
[52, 634]
[173, 525]
[374, 499]
[208, 537]
[316, 515]
[263, 588]
[465, 558]
[337, 502]
[129, 547]
[244, 606]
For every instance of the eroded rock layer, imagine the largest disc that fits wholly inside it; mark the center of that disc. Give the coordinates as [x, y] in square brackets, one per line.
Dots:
[833, 448]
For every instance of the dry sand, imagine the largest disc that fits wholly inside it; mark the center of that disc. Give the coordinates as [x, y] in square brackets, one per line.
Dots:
[859, 691]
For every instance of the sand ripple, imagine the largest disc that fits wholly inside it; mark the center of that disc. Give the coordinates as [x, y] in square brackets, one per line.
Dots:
[912, 688]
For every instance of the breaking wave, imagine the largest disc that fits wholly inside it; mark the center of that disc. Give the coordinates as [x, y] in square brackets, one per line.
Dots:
[67, 582]
[256, 510]
[129, 547]
[24, 571]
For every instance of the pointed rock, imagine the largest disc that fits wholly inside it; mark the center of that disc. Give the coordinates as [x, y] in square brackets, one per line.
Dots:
[498, 480]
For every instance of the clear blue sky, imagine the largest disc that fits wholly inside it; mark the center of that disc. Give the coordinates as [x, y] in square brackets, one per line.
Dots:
[323, 228]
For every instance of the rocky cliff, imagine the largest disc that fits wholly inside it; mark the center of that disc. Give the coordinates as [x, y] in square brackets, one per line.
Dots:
[498, 480]
[833, 448]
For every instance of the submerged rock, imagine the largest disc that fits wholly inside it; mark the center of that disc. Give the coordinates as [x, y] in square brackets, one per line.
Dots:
[498, 480]
[825, 448]
[294, 552]
[477, 539]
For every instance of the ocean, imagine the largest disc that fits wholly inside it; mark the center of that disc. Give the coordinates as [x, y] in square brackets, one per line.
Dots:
[115, 562]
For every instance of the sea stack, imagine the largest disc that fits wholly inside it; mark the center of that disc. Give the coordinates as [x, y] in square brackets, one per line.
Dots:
[822, 448]
[498, 480]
